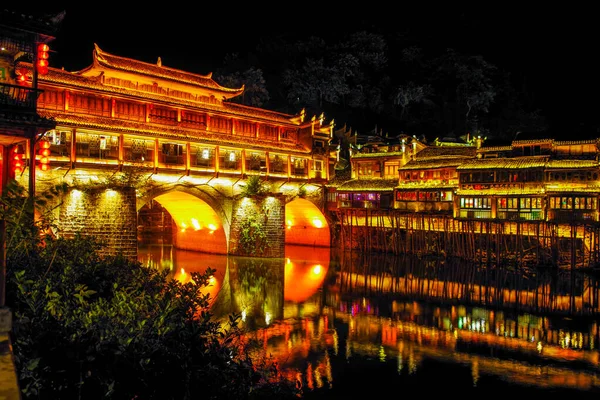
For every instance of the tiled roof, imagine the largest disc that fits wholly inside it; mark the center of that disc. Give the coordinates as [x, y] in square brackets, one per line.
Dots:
[424, 185]
[176, 133]
[442, 151]
[368, 185]
[378, 154]
[572, 164]
[575, 142]
[565, 188]
[532, 141]
[159, 71]
[504, 163]
[526, 162]
[433, 163]
[64, 78]
[500, 192]
[491, 149]
[240, 109]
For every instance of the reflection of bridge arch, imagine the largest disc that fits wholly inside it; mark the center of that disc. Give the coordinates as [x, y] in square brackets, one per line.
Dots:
[305, 224]
[201, 222]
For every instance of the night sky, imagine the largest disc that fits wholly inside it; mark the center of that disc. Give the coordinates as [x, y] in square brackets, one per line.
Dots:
[553, 50]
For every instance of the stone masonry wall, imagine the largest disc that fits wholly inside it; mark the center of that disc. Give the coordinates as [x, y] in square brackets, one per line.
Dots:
[109, 216]
[268, 212]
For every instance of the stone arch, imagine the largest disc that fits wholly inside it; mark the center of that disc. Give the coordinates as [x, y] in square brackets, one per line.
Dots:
[203, 220]
[306, 224]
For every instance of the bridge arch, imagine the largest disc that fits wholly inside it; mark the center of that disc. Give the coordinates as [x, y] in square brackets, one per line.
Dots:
[305, 224]
[201, 222]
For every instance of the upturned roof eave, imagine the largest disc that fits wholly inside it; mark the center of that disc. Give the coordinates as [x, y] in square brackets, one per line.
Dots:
[103, 59]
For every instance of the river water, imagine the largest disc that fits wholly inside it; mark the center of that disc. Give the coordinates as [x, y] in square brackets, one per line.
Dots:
[348, 325]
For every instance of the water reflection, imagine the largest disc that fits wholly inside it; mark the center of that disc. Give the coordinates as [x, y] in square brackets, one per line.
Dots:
[261, 290]
[347, 324]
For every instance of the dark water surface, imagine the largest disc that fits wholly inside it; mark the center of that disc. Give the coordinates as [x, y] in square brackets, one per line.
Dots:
[349, 326]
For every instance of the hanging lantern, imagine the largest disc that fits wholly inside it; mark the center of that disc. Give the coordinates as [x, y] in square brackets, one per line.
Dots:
[44, 155]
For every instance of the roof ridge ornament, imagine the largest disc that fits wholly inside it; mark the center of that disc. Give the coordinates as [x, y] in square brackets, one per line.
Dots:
[159, 62]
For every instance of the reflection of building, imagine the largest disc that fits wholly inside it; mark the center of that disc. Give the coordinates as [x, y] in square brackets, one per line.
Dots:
[416, 331]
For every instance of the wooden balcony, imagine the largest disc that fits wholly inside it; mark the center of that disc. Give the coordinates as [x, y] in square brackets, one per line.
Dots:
[18, 98]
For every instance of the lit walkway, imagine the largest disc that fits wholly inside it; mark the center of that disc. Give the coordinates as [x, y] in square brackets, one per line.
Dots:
[9, 389]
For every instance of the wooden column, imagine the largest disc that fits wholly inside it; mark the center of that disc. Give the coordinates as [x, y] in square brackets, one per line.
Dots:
[5, 164]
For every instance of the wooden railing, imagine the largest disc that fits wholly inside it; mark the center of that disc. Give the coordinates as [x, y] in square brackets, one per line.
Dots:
[19, 97]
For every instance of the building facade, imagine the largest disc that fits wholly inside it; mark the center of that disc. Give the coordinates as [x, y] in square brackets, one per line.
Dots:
[526, 180]
[121, 112]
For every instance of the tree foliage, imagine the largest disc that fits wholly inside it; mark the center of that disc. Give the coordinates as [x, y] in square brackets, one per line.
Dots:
[254, 186]
[108, 328]
[255, 90]
[366, 78]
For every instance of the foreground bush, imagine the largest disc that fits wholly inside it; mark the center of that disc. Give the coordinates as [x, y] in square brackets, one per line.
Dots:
[87, 327]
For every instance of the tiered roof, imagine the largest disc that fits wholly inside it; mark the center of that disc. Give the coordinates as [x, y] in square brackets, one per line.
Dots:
[104, 62]
[64, 78]
[106, 65]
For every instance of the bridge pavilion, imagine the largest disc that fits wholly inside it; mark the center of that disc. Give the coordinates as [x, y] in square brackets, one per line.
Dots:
[128, 133]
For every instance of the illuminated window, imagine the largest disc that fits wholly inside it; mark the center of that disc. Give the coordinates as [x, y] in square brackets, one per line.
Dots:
[476, 202]
[205, 154]
[232, 156]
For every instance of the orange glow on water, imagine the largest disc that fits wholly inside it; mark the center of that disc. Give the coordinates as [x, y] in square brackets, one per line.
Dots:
[214, 284]
[303, 277]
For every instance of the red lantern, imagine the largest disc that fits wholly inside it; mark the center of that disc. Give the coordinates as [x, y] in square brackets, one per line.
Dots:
[44, 156]
[22, 76]
[16, 160]
[43, 54]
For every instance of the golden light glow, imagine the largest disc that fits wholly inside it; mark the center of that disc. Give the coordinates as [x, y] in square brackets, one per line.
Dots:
[302, 216]
[196, 224]
[188, 211]
[268, 318]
